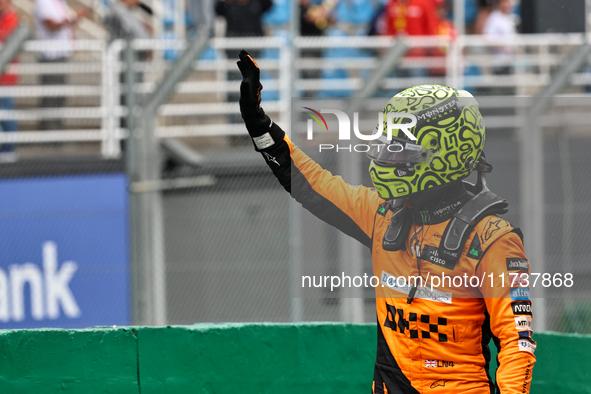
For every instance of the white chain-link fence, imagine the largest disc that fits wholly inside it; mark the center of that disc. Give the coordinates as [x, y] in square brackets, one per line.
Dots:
[228, 243]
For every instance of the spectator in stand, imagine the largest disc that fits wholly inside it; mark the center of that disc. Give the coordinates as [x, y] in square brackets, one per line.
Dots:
[9, 21]
[202, 15]
[243, 19]
[444, 26]
[484, 10]
[314, 20]
[54, 21]
[129, 20]
[377, 24]
[501, 25]
[412, 18]
[311, 23]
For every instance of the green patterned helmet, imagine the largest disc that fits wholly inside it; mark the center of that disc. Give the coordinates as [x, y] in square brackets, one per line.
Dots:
[449, 136]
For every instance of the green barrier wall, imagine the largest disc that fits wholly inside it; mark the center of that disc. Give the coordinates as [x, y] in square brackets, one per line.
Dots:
[229, 358]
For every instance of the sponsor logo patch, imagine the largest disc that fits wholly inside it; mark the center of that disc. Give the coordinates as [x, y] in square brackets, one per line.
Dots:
[523, 323]
[525, 389]
[271, 159]
[525, 334]
[527, 345]
[409, 146]
[264, 141]
[439, 383]
[401, 285]
[518, 279]
[520, 294]
[405, 172]
[475, 250]
[491, 228]
[445, 210]
[517, 264]
[425, 216]
[431, 254]
[521, 308]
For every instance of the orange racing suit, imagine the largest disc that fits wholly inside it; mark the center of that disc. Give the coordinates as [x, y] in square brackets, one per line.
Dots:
[436, 342]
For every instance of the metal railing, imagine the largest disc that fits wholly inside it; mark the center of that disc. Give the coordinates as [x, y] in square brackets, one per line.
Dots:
[202, 106]
[95, 58]
[338, 65]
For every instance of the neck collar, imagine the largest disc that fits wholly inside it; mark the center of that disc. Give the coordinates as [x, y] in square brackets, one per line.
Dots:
[437, 206]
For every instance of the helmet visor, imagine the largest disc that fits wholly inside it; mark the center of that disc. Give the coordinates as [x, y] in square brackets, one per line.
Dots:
[398, 151]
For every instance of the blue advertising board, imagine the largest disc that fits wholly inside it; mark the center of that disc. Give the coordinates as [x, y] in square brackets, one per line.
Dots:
[64, 252]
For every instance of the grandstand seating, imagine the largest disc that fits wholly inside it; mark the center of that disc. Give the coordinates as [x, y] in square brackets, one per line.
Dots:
[279, 14]
[355, 11]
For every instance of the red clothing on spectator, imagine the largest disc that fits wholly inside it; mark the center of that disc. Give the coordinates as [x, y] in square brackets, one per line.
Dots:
[446, 28]
[413, 17]
[8, 22]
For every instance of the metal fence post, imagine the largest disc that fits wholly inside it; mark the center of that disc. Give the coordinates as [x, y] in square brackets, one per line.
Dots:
[389, 62]
[147, 222]
[532, 206]
[143, 165]
[532, 210]
[296, 308]
[110, 146]
[452, 63]
[13, 45]
[459, 9]
[139, 257]
[296, 305]
[116, 48]
[455, 66]
[285, 83]
[105, 99]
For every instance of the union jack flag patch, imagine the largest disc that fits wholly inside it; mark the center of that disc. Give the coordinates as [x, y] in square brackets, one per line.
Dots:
[431, 363]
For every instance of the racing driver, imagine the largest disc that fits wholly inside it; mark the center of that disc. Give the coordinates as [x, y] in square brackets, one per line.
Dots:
[422, 220]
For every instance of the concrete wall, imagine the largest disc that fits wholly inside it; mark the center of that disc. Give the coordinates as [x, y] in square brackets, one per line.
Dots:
[229, 358]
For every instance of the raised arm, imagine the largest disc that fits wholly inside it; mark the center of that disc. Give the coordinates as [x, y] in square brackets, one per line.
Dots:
[349, 208]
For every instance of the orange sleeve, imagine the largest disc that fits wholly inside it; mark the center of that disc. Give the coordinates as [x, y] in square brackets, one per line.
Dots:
[510, 311]
[349, 208]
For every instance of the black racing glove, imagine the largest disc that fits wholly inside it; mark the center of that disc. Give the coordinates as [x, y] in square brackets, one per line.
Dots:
[264, 132]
